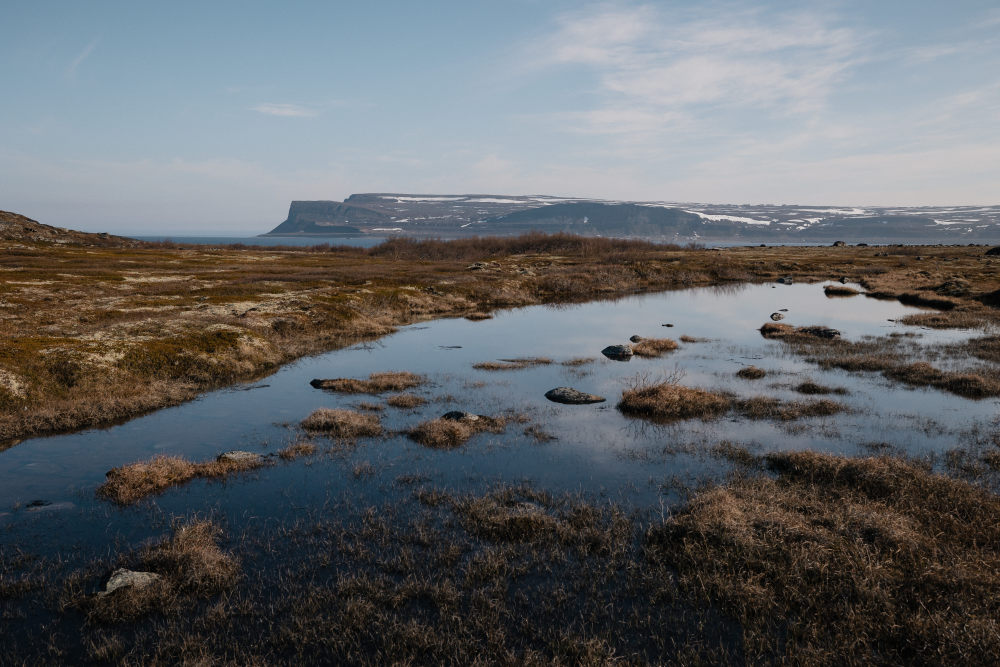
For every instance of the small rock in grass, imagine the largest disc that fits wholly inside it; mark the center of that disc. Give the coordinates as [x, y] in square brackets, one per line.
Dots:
[123, 578]
[617, 352]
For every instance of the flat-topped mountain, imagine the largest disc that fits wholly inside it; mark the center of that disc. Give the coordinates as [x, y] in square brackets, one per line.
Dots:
[446, 216]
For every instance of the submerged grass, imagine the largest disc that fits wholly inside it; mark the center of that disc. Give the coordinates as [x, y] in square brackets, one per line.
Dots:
[512, 364]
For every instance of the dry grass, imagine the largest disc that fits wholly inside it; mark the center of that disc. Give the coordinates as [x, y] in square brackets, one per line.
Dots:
[479, 316]
[654, 347]
[875, 559]
[405, 401]
[967, 384]
[751, 373]
[763, 407]
[668, 401]
[840, 290]
[986, 348]
[775, 330]
[129, 483]
[578, 361]
[297, 450]
[811, 388]
[342, 423]
[376, 383]
[512, 364]
[450, 433]
[190, 564]
[694, 339]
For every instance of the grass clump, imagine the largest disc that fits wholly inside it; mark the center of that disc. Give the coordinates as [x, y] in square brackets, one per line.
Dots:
[751, 373]
[763, 407]
[811, 388]
[654, 347]
[189, 564]
[445, 433]
[297, 450]
[876, 559]
[967, 384]
[840, 290]
[405, 401]
[512, 364]
[376, 383]
[342, 423]
[669, 401]
[693, 339]
[130, 483]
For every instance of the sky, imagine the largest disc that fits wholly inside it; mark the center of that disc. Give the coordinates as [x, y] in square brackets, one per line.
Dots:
[210, 117]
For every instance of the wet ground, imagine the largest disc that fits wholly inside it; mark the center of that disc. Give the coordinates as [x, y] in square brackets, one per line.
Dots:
[47, 485]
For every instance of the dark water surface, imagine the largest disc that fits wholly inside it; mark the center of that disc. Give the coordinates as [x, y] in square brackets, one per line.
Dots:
[595, 449]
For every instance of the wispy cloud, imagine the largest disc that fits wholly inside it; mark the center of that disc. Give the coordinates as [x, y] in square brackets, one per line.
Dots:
[83, 55]
[655, 65]
[286, 110]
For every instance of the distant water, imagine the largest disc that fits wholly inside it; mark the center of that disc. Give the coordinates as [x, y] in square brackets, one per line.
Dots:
[291, 241]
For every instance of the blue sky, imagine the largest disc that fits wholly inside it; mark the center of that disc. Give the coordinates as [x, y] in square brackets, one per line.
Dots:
[194, 117]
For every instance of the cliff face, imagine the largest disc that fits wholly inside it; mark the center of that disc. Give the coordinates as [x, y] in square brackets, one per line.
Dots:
[327, 218]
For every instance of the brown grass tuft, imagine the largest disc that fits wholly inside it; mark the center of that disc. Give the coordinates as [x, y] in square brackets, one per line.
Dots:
[751, 373]
[763, 407]
[342, 423]
[840, 290]
[967, 384]
[297, 450]
[405, 401]
[669, 401]
[512, 364]
[129, 483]
[811, 388]
[375, 384]
[654, 347]
[450, 433]
[693, 339]
[190, 564]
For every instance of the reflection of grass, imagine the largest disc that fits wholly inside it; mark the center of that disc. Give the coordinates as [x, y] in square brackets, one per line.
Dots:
[512, 364]
[751, 373]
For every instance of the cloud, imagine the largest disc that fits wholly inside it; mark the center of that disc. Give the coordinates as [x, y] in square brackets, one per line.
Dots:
[83, 55]
[285, 110]
[652, 63]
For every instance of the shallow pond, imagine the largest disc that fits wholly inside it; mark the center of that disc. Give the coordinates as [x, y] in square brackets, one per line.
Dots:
[593, 448]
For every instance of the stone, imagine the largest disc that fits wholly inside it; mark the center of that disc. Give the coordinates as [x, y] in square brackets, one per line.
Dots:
[122, 578]
[636, 339]
[617, 352]
[777, 317]
[819, 332]
[239, 456]
[570, 396]
[786, 280]
[839, 244]
[993, 252]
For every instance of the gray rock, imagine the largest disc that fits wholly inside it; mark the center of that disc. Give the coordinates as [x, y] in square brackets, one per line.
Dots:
[777, 317]
[636, 339]
[123, 578]
[571, 396]
[617, 352]
[459, 416]
[239, 456]
[819, 332]
[787, 280]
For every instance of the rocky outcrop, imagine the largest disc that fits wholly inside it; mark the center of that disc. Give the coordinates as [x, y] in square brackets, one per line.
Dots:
[327, 218]
[618, 352]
